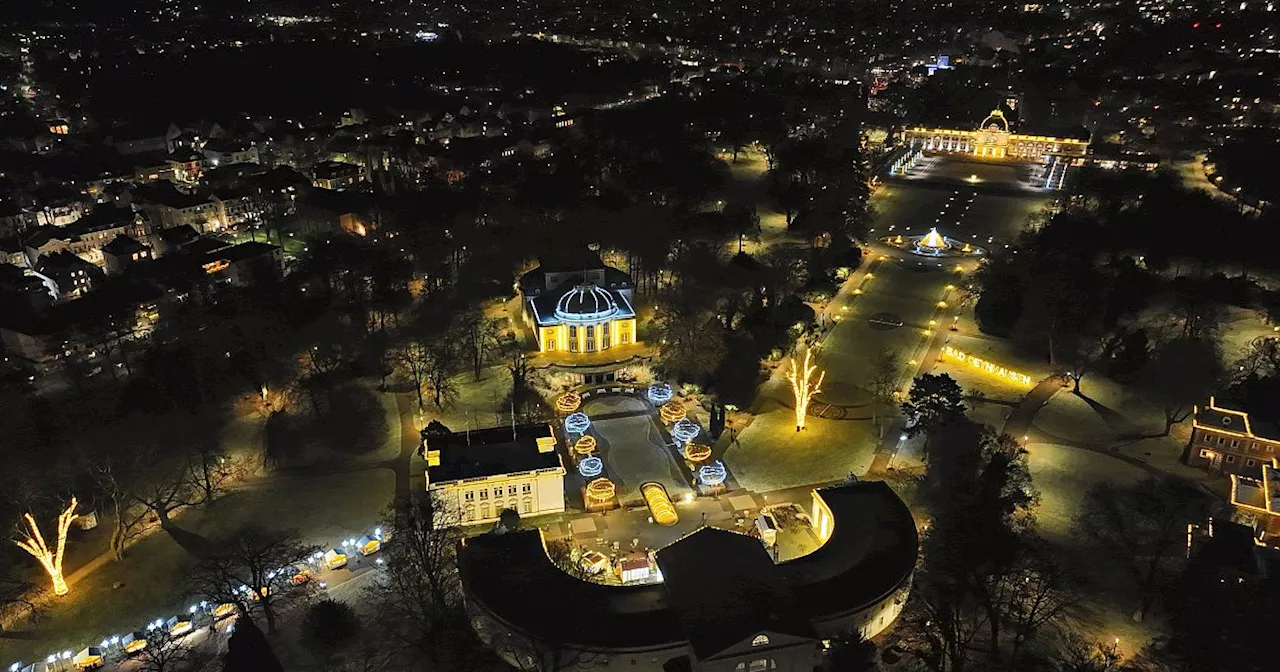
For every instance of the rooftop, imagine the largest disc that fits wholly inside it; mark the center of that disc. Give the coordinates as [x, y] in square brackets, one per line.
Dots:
[489, 452]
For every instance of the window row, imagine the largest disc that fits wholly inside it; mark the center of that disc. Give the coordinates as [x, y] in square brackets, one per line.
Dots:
[1210, 439]
[1229, 459]
[470, 495]
[469, 512]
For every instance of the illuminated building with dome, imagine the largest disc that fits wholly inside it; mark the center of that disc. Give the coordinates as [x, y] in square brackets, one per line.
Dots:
[574, 303]
[994, 139]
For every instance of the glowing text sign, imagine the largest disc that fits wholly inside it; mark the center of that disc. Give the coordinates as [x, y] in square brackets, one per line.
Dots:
[985, 366]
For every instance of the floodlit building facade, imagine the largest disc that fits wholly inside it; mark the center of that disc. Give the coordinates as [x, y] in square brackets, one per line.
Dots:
[993, 139]
[575, 303]
[1226, 440]
[483, 472]
[1257, 502]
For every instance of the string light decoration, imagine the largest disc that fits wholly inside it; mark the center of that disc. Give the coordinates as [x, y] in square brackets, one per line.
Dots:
[591, 467]
[804, 387]
[671, 412]
[659, 394]
[569, 402]
[577, 422]
[664, 512]
[713, 474]
[685, 430]
[33, 542]
[696, 452]
[585, 445]
[600, 490]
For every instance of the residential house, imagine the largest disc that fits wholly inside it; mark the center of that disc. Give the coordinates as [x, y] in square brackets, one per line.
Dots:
[168, 207]
[225, 151]
[123, 252]
[336, 175]
[1227, 439]
[72, 276]
[244, 264]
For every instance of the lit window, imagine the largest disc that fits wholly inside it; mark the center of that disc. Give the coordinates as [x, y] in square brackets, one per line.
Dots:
[760, 640]
[1205, 454]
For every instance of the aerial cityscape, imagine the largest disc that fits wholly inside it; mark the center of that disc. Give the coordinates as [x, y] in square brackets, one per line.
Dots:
[829, 336]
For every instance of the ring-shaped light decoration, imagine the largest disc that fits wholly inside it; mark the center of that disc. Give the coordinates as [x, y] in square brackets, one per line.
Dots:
[569, 402]
[600, 490]
[586, 303]
[577, 422]
[713, 474]
[671, 412]
[696, 452]
[591, 467]
[659, 394]
[685, 430]
[585, 445]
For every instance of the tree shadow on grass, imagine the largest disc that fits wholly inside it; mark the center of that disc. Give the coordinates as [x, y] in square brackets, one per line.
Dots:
[194, 544]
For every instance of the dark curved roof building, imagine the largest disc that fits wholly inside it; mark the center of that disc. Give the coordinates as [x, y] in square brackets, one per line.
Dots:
[722, 604]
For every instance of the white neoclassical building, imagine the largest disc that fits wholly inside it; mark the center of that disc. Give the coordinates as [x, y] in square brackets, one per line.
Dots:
[994, 140]
[485, 471]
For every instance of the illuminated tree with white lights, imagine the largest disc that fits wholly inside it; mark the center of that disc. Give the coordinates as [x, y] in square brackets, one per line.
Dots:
[803, 386]
[33, 542]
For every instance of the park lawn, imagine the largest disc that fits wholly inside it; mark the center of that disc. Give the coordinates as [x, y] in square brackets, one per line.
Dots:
[479, 403]
[1063, 475]
[324, 509]
[771, 455]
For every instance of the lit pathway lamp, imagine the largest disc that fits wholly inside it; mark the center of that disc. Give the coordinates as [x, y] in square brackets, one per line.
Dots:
[50, 559]
[804, 387]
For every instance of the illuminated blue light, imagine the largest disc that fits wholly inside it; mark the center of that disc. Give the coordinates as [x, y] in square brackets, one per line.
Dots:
[713, 474]
[659, 394]
[685, 430]
[586, 303]
[591, 467]
[577, 422]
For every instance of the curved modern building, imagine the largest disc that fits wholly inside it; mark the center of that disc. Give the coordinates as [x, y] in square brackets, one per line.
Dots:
[723, 604]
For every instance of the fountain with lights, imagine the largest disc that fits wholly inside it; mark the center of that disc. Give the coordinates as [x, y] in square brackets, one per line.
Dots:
[933, 244]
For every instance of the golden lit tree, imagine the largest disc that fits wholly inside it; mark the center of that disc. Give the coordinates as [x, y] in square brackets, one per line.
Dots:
[803, 386]
[33, 542]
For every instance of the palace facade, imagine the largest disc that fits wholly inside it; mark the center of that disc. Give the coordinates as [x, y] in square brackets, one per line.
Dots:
[574, 303]
[994, 140]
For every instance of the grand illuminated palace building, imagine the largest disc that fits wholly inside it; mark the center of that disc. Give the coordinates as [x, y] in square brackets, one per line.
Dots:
[574, 303]
[993, 139]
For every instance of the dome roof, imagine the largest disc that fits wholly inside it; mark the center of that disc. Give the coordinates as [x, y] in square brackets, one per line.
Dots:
[586, 303]
[995, 121]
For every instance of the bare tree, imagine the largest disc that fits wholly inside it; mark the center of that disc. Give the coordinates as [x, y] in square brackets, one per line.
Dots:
[247, 568]
[413, 358]
[1144, 525]
[164, 652]
[884, 381]
[419, 593]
